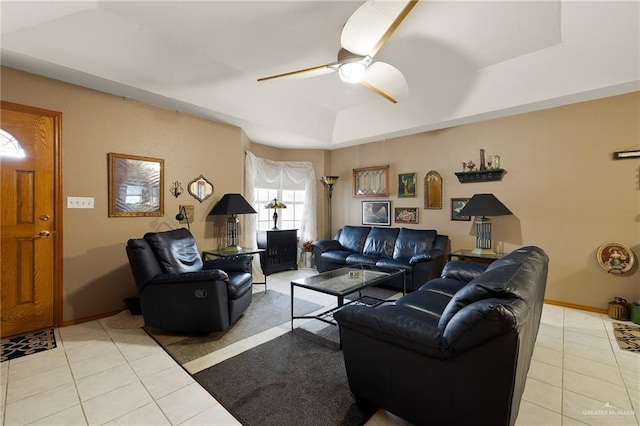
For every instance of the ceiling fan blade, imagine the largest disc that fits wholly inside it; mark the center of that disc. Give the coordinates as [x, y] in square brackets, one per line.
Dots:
[303, 73]
[387, 81]
[369, 27]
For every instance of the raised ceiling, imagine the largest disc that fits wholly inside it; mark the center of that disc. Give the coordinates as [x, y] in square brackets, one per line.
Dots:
[464, 61]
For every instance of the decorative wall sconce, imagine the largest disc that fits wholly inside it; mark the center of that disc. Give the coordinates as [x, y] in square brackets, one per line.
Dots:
[176, 189]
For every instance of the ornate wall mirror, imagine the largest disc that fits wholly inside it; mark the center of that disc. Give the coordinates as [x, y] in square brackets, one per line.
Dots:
[136, 185]
[200, 188]
[433, 190]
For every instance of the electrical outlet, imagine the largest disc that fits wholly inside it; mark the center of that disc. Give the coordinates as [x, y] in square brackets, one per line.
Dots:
[186, 210]
[80, 202]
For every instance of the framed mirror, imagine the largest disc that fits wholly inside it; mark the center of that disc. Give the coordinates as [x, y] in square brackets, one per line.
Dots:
[433, 191]
[136, 185]
[371, 182]
[200, 188]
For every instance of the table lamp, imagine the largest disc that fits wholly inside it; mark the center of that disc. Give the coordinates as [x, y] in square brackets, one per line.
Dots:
[232, 205]
[275, 204]
[481, 206]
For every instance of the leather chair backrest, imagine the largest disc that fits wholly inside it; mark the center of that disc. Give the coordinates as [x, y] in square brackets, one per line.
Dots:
[380, 242]
[413, 241]
[176, 251]
[352, 238]
[143, 262]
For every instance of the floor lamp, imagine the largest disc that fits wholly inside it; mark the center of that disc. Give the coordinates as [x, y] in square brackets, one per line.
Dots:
[232, 205]
[481, 206]
[328, 182]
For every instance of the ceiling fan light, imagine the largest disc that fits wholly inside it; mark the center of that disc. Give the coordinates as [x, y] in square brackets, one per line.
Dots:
[352, 72]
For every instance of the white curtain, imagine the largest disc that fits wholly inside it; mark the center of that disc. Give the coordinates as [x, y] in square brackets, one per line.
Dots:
[263, 173]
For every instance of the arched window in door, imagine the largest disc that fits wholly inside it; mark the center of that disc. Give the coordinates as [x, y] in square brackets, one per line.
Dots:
[9, 146]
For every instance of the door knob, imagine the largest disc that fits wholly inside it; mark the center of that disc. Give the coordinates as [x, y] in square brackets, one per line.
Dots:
[43, 234]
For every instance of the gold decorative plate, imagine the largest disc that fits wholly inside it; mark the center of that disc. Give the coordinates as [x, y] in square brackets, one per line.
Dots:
[615, 258]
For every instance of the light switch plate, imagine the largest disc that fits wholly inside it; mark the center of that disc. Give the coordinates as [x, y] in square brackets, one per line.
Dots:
[80, 202]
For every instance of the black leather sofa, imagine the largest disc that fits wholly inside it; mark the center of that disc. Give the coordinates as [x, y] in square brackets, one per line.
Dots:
[455, 352]
[180, 292]
[419, 252]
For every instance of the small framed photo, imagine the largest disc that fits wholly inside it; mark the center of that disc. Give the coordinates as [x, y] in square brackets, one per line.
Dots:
[405, 215]
[376, 212]
[457, 204]
[407, 185]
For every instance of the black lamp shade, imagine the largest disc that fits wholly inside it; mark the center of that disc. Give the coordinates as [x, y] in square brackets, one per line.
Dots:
[231, 204]
[484, 205]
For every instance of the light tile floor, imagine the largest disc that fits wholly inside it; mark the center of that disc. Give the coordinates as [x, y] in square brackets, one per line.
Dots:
[98, 375]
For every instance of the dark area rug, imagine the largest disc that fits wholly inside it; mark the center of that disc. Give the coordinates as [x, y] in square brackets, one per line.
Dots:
[290, 380]
[267, 310]
[27, 344]
[627, 336]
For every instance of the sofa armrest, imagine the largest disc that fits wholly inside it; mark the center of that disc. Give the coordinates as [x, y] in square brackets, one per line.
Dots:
[210, 275]
[327, 245]
[463, 271]
[240, 263]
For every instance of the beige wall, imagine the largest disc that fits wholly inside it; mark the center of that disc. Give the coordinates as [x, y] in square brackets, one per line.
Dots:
[567, 195]
[96, 271]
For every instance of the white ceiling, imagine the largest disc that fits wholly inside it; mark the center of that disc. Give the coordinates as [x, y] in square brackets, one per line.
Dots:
[464, 61]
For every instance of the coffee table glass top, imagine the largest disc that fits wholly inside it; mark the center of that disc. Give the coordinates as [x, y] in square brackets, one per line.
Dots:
[344, 281]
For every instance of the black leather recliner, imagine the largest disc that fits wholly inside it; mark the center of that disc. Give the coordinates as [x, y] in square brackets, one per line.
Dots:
[179, 292]
[455, 352]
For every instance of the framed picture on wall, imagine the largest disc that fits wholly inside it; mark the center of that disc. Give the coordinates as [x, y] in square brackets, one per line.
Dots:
[405, 215]
[376, 212]
[407, 185]
[458, 204]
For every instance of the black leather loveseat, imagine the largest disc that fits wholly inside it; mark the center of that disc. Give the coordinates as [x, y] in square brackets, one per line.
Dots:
[419, 252]
[455, 352]
[180, 292]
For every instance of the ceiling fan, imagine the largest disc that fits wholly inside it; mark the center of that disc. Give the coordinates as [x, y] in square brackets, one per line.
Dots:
[364, 33]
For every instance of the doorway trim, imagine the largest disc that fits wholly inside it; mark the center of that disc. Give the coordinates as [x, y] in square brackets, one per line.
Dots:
[57, 201]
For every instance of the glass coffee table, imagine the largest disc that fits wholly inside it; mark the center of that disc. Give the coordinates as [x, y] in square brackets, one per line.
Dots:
[343, 282]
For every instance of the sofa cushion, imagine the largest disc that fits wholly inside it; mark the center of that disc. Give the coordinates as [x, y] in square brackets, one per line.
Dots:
[388, 263]
[338, 257]
[361, 259]
[411, 242]
[352, 238]
[176, 250]
[381, 242]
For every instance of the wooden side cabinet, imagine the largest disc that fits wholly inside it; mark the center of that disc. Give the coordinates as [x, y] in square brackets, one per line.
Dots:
[281, 250]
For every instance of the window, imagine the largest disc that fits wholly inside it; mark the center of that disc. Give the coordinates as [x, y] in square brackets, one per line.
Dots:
[9, 146]
[289, 218]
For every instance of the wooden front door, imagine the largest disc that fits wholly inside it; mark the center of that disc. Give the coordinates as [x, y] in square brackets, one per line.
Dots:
[28, 217]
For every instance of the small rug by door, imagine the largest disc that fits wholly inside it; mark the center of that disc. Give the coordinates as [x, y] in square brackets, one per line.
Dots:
[267, 310]
[627, 336]
[27, 344]
[288, 380]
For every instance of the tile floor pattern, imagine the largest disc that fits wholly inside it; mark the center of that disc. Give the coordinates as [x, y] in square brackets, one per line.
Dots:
[98, 375]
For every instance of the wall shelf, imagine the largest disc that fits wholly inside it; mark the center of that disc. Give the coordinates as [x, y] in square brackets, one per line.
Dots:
[481, 175]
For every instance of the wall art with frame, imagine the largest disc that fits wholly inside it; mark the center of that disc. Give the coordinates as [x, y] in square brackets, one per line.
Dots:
[405, 215]
[407, 185]
[458, 204]
[136, 185]
[376, 212]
